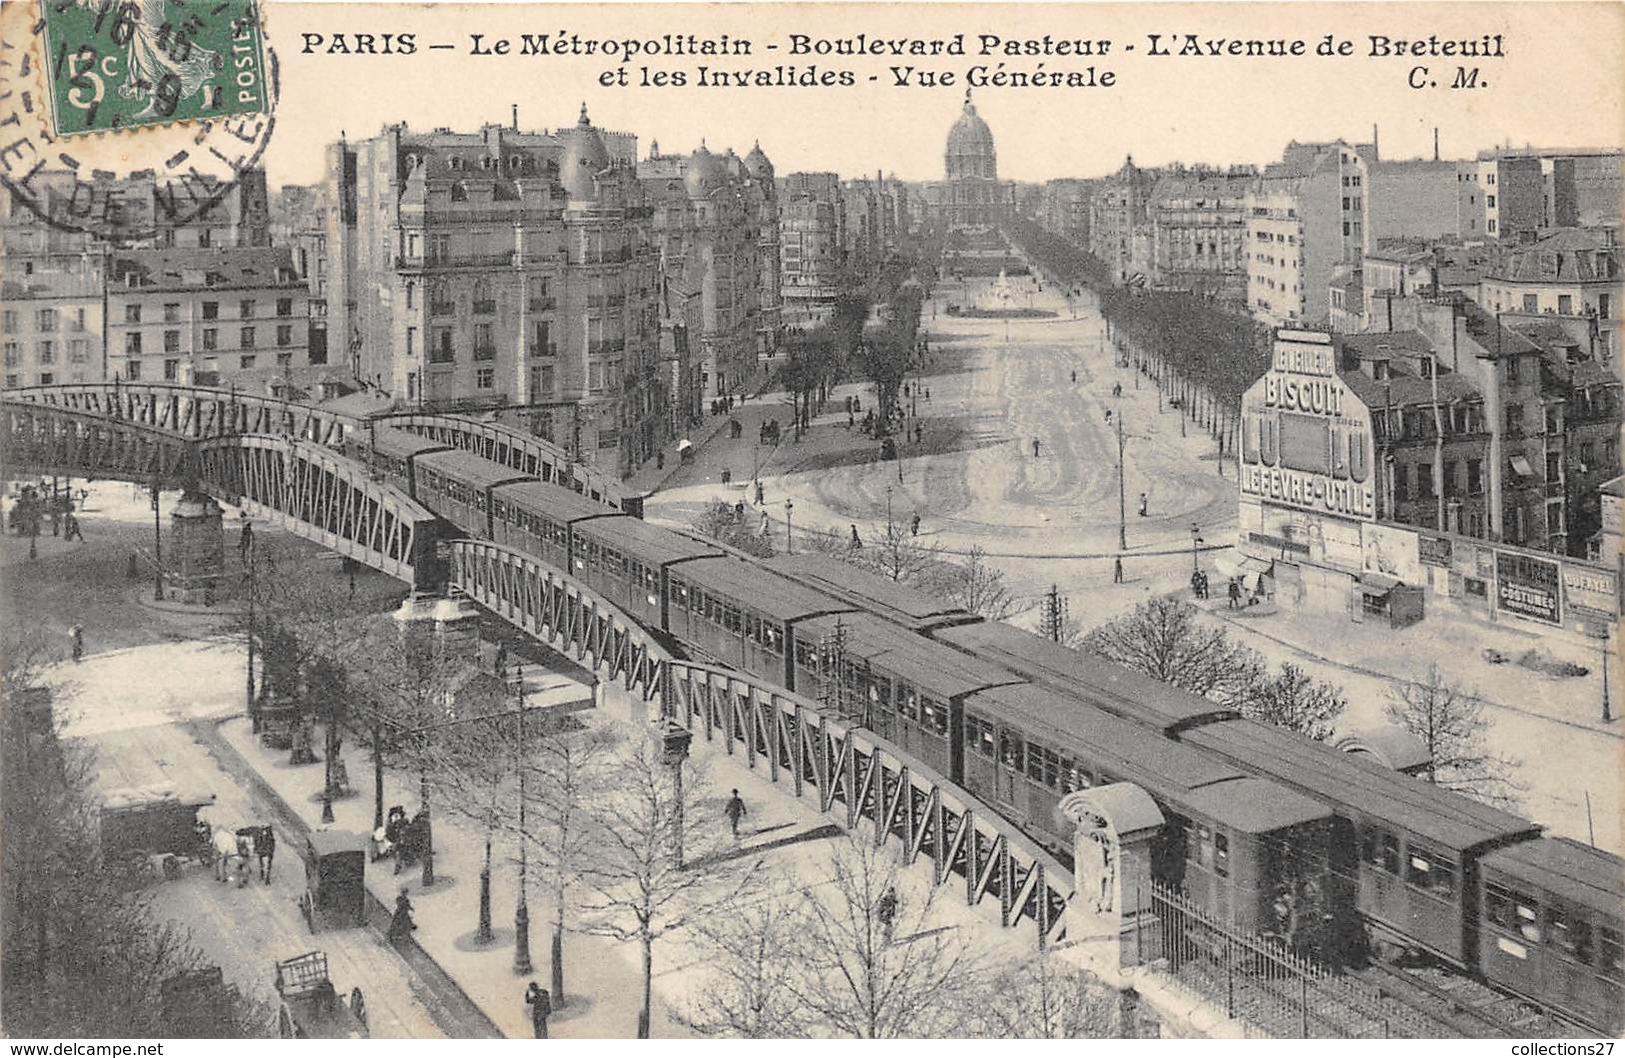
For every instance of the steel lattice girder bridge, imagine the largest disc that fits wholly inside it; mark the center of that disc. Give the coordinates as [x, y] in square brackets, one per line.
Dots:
[852, 771]
[310, 490]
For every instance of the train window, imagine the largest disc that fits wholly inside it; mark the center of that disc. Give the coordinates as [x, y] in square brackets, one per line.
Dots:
[1528, 917]
[1611, 946]
[908, 703]
[934, 716]
[679, 593]
[772, 638]
[1387, 857]
[1498, 905]
[730, 618]
[1221, 855]
[753, 628]
[1035, 762]
[1010, 750]
[1073, 777]
[979, 733]
[1571, 934]
[1201, 850]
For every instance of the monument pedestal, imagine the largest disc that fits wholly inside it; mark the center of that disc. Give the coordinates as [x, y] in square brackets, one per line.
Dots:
[197, 549]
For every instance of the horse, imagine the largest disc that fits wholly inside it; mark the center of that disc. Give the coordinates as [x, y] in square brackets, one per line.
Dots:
[230, 856]
[262, 844]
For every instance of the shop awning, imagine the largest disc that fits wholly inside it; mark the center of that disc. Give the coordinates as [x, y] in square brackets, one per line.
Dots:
[1522, 467]
[1378, 584]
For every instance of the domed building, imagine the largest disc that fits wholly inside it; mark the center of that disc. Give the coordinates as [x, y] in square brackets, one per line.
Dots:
[971, 196]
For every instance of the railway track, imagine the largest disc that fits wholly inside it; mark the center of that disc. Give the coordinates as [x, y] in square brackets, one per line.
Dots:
[1465, 1007]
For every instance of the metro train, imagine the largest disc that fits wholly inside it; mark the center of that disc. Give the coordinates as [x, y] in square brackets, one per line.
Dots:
[1253, 812]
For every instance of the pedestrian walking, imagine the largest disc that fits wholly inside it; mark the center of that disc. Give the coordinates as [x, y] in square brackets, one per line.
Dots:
[401, 924]
[735, 811]
[856, 543]
[540, 1002]
[70, 529]
[765, 526]
[1234, 592]
[727, 475]
[1145, 504]
[760, 493]
[914, 526]
[265, 852]
[245, 541]
[739, 512]
[886, 912]
[919, 433]
[1108, 415]
[928, 393]
[130, 569]
[77, 636]
[1035, 448]
[1117, 570]
[1074, 374]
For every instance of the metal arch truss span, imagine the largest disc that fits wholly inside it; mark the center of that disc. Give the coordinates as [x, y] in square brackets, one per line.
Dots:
[193, 411]
[548, 604]
[325, 497]
[508, 447]
[855, 773]
[42, 439]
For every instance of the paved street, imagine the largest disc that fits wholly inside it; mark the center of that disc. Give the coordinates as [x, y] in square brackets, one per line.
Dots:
[1053, 520]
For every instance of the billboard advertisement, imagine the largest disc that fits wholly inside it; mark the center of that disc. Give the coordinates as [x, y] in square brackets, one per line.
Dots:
[1527, 586]
[1306, 440]
[1590, 592]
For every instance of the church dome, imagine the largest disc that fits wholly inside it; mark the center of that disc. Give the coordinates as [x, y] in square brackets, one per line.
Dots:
[757, 164]
[585, 156]
[705, 174]
[970, 150]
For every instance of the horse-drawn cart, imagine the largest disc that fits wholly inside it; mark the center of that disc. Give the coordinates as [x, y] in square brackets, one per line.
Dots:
[311, 1007]
[153, 830]
[335, 879]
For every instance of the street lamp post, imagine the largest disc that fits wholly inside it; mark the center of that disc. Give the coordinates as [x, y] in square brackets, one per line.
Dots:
[157, 547]
[248, 683]
[1607, 714]
[1196, 541]
[1122, 494]
[789, 540]
[521, 913]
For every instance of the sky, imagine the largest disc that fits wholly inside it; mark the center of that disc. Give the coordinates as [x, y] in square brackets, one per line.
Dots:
[1558, 83]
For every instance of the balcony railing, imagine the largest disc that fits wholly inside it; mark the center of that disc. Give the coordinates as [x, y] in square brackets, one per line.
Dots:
[542, 304]
[442, 308]
[538, 349]
[613, 345]
[485, 352]
[487, 307]
[442, 355]
[604, 257]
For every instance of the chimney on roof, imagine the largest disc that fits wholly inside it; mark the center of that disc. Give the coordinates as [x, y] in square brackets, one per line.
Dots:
[1435, 143]
[1374, 153]
[516, 117]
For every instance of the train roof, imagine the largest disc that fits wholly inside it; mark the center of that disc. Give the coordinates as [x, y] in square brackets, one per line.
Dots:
[394, 441]
[938, 670]
[1105, 684]
[649, 544]
[1118, 745]
[754, 585]
[1373, 790]
[553, 502]
[1577, 873]
[1251, 805]
[897, 602]
[468, 468]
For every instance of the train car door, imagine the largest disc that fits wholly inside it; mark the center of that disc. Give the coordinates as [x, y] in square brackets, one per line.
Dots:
[1007, 775]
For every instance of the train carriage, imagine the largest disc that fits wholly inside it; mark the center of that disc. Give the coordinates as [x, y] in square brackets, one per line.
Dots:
[904, 687]
[1551, 928]
[915, 610]
[457, 486]
[627, 561]
[1084, 675]
[389, 453]
[1406, 848]
[742, 615]
[1232, 841]
[535, 517]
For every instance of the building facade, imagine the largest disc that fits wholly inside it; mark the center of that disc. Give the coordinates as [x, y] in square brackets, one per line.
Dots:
[1305, 216]
[1198, 224]
[1119, 221]
[1570, 273]
[812, 216]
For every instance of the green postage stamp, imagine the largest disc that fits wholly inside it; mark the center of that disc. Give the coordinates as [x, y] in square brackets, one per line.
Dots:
[120, 64]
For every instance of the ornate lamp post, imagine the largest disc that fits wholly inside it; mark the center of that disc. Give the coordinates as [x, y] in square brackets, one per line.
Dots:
[1196, 540]
[157, 547]
[521, 913]
[789, 540]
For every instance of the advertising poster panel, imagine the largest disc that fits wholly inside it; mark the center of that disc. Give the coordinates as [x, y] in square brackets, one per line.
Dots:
[1528, 587]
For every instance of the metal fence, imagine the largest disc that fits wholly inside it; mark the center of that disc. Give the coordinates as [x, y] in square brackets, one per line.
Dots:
[1269, 990]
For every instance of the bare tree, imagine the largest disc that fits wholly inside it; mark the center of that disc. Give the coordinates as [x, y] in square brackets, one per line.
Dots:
[898, 555]
[1294, 700]
[751, 988]
[637, 888]
[570, 770]
[875, 967]
[978, 586]
[1449, 722]
[1047, 998]
[1163, 639]
[722, 521]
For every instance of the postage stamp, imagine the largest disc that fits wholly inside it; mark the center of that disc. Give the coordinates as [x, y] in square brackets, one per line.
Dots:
[118, 64]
